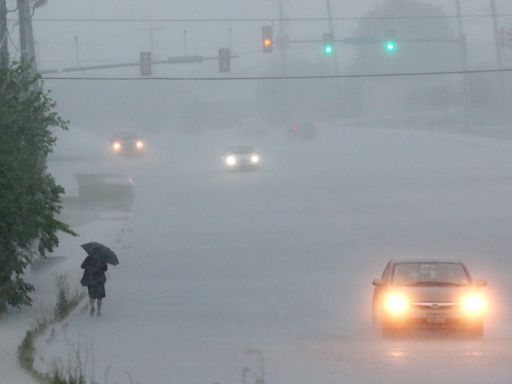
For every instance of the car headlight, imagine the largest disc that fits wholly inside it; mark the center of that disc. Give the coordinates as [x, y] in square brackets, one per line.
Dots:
[139, 144]
[474, 304]
[231, 160]
[396, 303]
[255, 159]
[116, 146]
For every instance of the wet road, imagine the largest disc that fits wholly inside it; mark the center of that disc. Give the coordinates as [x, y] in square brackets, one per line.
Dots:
[236, 277]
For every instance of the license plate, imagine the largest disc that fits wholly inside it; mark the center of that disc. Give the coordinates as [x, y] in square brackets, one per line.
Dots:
[436, 319]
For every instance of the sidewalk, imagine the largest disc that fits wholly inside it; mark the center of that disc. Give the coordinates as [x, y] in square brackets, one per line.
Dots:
[14, 325]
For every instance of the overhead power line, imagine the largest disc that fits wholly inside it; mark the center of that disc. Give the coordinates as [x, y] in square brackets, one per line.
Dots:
[254, 19]
[305, 77]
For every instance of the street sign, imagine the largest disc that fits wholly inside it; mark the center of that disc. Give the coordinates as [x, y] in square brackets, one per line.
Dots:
[145, 64]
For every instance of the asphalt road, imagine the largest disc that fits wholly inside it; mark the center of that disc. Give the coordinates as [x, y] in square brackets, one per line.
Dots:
[235, 277]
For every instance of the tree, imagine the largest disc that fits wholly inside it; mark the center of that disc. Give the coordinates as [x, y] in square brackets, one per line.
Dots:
[30, 199]
[425, 44]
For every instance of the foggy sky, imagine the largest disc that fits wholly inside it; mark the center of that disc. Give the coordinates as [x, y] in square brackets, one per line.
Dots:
[122, 42]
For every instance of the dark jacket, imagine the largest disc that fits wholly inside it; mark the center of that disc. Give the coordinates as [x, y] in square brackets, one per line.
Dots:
[94, 272]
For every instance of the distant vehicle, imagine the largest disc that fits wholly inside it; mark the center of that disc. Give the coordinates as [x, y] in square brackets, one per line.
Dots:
[127, 143]
[242, 157]
[302, 131]
[428, 294]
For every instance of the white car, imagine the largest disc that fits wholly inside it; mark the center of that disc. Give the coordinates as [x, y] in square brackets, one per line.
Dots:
[241, 157]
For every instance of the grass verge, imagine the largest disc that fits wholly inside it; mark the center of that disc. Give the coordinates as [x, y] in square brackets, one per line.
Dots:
[66, 303]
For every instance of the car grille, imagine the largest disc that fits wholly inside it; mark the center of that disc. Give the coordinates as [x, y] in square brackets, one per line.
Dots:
[435, 306]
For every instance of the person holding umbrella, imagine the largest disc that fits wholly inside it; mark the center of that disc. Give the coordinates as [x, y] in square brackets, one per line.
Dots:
[95, 266]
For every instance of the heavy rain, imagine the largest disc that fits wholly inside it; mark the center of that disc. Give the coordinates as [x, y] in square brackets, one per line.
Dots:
[276, 191]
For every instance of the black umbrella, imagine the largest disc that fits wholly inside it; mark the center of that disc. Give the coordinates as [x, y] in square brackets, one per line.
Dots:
[100, 252]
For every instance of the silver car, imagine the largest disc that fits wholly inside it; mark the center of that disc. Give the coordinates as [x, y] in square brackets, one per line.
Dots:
[428, 294]
[242, 157]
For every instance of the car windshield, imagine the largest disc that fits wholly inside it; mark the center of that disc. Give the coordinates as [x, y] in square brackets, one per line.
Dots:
[422, 273]
[125, 136]
[241, 150]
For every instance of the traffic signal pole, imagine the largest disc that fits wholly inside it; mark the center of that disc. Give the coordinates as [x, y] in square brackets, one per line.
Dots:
[170, 60]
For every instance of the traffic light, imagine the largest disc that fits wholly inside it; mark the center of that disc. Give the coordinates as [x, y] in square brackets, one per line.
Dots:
[390, 44]
[267, 41]
[328, 44]
[224, 60]
[145, 64]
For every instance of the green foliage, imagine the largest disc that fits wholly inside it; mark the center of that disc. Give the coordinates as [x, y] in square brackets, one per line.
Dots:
[61, 307]
[27, 350]
[59, 378]
[66, 301]
[29, 195]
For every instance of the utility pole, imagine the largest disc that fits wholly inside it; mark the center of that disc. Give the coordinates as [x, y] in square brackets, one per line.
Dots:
[282, 43]
[152, 41]
[27, 46]
[185, 44]
[499, 58]
[284, 109]
[331, 31]
[464, 53]
[77, 51]
[151, 29]
[230, 32]
[4, 50]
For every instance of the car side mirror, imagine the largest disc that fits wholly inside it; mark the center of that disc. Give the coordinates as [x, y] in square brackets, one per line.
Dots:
[481, 283]
[378, 282]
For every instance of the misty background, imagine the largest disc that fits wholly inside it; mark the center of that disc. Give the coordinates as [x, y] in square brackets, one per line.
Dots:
[213, 263]
[432, 102]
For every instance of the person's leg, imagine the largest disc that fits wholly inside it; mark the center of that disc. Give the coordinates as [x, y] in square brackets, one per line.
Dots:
[99, 301]
[91, 301]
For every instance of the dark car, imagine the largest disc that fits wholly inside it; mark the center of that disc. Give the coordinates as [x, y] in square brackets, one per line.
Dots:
[302, 131]
[241, 157]
[127, 143]
[428, 294]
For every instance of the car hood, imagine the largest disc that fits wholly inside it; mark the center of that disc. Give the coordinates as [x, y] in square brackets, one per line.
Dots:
[435, 294]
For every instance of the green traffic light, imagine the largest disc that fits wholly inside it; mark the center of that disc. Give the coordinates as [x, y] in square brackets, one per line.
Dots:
[328, 49]
[390, 46]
